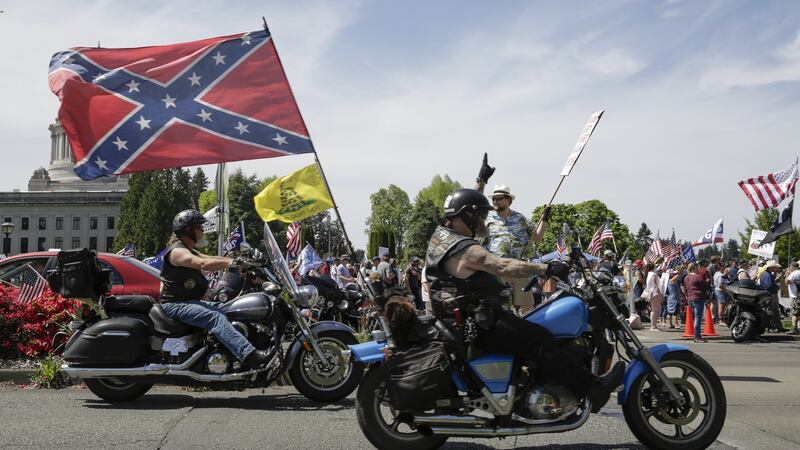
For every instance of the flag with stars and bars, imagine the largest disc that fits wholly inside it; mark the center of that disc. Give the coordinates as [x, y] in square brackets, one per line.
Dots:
[203, 102]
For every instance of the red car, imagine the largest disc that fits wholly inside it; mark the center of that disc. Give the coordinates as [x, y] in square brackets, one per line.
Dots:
[128, 275]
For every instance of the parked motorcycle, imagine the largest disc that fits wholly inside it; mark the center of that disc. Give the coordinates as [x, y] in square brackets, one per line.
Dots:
[749, 313]
[671, 397]
[335, 303]
[122, 355]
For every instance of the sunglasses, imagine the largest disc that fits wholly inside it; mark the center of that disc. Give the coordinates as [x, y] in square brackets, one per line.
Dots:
[497, 199]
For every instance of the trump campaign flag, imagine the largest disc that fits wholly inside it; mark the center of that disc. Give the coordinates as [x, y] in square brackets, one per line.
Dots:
[156, 261]
[309, 259]
[299, 195]
[208, 101]
[234, 240]
[712, 236]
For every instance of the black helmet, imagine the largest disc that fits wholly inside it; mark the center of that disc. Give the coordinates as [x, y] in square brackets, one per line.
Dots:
[468, 204]
[187, 218]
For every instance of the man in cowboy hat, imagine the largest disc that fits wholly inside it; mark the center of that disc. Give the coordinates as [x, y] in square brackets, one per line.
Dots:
[769, 281]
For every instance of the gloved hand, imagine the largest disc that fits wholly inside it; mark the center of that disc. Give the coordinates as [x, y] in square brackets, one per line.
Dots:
[558, 269]
[245, 263]
[486, 171]
[548, 210]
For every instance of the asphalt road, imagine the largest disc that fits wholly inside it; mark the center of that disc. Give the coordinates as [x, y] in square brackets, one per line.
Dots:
[760, 381]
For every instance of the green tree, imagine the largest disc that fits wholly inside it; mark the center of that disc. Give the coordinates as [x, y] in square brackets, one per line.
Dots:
[197, 185]
[763, 220]
[147, 209]
[437, 191]
[326, 230]
[422, 222]
[641, 242]
[732, 249]
[390, 211]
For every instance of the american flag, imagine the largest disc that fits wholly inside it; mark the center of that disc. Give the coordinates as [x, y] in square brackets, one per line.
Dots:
[128, 250]
[655, 251]
[769, 190]
[561, 246]
[670, 248]
[208, 101]
[603, 233]
[293, 239]
[31, 284]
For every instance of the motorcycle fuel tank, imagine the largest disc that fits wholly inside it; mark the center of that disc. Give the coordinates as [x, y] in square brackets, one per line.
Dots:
[255, 306]
[565, 317]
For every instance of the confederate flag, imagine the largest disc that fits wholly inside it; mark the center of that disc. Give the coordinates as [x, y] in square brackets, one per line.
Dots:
[215, 100]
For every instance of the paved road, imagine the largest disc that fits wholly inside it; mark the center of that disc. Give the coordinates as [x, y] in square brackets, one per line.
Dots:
[760, 380]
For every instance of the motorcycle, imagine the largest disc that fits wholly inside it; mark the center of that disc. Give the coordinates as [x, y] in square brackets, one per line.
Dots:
[133, 344]
[670, 396]
[338, 304]
[749, 314]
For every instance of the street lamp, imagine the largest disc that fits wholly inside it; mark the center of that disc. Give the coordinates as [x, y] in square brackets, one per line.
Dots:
[8, 228]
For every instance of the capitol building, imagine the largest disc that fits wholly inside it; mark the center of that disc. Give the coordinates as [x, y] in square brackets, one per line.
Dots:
[60, 210]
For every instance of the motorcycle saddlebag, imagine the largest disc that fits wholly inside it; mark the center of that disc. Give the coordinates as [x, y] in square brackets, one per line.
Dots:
[419, 376]
[118, 340]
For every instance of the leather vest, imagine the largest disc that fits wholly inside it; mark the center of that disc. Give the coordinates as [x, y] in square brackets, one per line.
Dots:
[181, 283]
[444, 244]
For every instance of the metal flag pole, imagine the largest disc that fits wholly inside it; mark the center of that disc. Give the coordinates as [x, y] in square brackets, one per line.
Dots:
[221, 183]
[316, 157]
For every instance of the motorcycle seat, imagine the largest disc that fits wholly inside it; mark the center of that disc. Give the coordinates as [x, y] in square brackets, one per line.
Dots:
[139, 304]
[165, 326]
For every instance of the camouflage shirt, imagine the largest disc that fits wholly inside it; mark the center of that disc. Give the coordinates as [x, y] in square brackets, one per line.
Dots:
[507, 237]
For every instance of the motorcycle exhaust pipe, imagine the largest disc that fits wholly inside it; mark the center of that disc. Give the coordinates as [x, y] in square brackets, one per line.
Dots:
[110, 372]
[465, 421]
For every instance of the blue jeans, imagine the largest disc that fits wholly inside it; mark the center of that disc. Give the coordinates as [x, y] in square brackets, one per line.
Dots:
[207, 315]
[698, 309]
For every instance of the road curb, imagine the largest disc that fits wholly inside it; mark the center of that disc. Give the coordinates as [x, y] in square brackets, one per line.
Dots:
[17, 376]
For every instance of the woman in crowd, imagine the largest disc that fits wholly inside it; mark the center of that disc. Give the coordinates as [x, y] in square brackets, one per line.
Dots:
[652, 292]
[697, 295]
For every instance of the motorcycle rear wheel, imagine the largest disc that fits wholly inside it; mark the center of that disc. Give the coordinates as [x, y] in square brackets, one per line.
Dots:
[332, 384]
[372, 407]
[742, 329]
[659, 424]
[114, 390]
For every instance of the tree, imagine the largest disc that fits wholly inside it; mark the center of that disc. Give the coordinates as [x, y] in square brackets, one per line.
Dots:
[437, 191]
[641, 242]
[763, 220]
[147, 209]
[732, 249]
[197, 186]
[328, 234]
[390, 211]
[583, 219]
[422, 222]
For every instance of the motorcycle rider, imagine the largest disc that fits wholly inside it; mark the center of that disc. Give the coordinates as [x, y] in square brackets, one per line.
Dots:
[458, 266]
[183, 285]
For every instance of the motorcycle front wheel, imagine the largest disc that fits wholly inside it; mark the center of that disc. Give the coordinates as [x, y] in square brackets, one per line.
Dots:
[742, 329]
[114, 390]
[660, 423]
[334, 382]
[379, 421]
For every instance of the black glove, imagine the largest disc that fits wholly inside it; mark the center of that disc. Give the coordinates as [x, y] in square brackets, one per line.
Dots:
[548, 210]
[486, 170]
[558, 269]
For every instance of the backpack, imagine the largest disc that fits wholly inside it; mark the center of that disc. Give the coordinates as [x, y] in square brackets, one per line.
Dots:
[78, 275]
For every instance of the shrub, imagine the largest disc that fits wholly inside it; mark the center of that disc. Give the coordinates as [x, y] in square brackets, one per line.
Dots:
[34, 329]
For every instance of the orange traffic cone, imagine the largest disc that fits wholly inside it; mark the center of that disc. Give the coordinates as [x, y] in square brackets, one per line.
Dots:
[709, 330]
[689, 331]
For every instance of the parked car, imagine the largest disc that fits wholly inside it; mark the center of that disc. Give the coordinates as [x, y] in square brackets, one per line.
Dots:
[128, 275]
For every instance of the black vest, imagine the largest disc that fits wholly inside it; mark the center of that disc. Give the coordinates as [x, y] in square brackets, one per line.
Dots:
[181, 283]
[444, 244]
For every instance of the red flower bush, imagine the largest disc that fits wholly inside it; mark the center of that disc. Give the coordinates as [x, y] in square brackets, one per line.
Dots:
[32, 329]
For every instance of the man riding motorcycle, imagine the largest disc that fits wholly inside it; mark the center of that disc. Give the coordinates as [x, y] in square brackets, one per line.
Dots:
[457, 266]
[183, 285]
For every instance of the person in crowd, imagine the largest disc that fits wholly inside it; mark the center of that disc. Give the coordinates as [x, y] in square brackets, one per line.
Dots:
[732, 272]
[183, 286]
[335, 270]
[609, 262]
[744, 271]
[375, 261]
[720, 292]
[793, 283]
[413, 279]
[343, 271]
[325, 267]
[458, 266]
[397, 273]
[663, 282]
[652, 292]
[673, 296]
[387, 274]
[697, 295]
[769, 281]
[702, 270]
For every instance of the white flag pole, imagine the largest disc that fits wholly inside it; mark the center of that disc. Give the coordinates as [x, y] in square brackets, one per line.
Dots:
[221, 184]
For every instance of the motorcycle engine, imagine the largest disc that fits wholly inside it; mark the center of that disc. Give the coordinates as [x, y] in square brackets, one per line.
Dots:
[550, 401]
[217, 363]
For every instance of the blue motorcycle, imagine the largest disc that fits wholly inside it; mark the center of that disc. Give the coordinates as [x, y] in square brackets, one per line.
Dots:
[670, 396]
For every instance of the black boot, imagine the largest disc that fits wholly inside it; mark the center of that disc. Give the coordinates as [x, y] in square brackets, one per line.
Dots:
[603, 386]
[256, 359]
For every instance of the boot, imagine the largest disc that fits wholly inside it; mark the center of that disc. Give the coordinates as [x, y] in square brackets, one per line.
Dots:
[794, 331]
[256, 359]
[603, 386]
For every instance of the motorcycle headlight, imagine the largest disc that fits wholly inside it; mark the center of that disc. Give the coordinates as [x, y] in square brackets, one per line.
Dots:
[306, 295]
[619, 282]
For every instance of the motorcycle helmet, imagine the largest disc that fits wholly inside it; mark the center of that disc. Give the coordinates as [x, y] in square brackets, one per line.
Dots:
[185, 220]
[468, 204]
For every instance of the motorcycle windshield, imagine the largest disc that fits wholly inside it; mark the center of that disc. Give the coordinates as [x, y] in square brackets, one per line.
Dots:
[278, 261]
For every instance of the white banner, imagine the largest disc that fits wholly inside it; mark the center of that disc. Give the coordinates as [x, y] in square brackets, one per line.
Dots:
[383, 251]
[765, 251]
[581, 144]
[211, 220]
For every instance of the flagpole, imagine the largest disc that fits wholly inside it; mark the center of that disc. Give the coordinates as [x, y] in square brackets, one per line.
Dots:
[222, 201]
[316, 157]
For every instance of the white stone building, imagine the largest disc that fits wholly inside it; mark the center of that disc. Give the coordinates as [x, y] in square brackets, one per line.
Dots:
[60, 210]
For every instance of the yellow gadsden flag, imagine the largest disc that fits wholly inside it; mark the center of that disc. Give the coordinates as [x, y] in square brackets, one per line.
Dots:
[299, 195]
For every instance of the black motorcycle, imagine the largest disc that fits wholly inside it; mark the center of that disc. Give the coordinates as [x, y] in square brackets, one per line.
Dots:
[132, 344]
[334, 303]
[749, 313]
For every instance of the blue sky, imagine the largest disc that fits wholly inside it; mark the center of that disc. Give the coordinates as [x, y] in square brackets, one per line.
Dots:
[698, 94]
